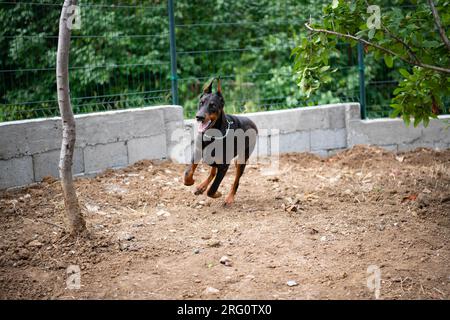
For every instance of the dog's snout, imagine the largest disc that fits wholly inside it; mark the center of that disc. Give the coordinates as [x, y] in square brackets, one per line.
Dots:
[200, 117]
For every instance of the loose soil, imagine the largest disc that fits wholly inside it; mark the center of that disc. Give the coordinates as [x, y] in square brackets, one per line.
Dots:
[317, 224]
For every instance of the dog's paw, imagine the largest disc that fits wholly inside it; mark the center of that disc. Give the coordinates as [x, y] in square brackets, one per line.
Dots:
[189, 181]
[199, 190]
[215, 195]
[229, 200]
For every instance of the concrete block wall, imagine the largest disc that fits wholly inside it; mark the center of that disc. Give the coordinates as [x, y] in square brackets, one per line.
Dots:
[319, 130]
[30, 149]
[394, 135]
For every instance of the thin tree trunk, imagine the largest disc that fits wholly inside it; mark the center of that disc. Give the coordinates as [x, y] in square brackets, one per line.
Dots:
[74, 217]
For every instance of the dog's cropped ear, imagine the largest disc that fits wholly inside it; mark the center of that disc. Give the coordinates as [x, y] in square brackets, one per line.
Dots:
[207, 88]
[219, 86]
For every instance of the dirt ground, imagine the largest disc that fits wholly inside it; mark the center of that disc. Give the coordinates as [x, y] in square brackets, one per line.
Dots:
[317, 224]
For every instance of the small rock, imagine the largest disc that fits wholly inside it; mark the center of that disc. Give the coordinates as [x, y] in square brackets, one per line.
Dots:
[163, 213]
[214, 244]
[138, 225]
[323, 238]
[292, 208]
[226, 261]
[292, 283]
[211, 290]
[399, 158]
[23, 254]
[196, 251]
[126, 237]
[124, 246]
[35, 243]
[92, 208]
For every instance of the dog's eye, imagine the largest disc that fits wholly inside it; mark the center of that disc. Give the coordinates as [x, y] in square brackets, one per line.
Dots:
[211, 108]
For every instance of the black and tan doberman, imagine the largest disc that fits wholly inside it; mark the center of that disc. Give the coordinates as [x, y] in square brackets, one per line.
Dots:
[225, 128]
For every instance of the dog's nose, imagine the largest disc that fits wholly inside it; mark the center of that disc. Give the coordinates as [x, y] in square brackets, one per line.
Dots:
[200, 118]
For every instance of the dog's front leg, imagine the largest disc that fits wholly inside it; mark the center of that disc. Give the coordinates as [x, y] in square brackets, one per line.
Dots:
[204, 185]
[195, 160]
[221, 171]
[189, 174]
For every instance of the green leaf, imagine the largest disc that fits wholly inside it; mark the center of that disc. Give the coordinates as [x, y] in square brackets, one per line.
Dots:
[406, 119]
[417, 121]
[372, 33]
[389, 61]
[404, 73]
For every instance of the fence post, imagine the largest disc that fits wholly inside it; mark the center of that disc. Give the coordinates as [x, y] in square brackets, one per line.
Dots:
[173, 54]
[362, 84]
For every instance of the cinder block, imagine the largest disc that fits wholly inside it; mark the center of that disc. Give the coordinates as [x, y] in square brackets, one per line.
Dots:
[262, 148]
[175, 133]
[27, 137]
[328, 139]
[103, 156]
[46, 164]
[16, 172]
[437, 131]
[173, 113]
[301, 119]
[352, 112]
[180, 146]
[321, 117]
[147, 148]
[382, 132]
[294, 142]
[114, 126]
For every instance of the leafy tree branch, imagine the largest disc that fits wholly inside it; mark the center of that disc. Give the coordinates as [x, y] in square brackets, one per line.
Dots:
[397, 32]
[371, 44]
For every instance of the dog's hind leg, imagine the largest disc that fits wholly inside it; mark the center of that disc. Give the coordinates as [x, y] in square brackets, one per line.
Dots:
[221, 171]
[240, 167]
[204, 185]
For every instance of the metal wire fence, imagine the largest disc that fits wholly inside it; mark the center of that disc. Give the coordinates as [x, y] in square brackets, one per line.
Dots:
[120, 57]
[116, 62]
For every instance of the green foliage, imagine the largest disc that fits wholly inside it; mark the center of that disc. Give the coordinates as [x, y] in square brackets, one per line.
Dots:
[120, 56]
[407, 31]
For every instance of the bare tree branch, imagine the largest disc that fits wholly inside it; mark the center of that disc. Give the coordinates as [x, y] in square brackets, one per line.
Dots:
[348, 36]
[75, 220]
[437, 21]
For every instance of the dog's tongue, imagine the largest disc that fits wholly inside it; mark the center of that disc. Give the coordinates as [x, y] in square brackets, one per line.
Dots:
[203, 126]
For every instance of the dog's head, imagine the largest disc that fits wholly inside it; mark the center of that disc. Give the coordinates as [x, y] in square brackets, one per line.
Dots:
[210, 107]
